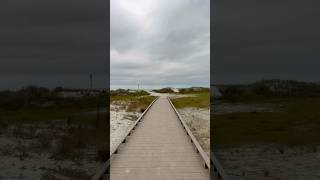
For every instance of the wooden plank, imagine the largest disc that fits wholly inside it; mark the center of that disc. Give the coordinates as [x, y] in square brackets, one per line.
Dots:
[162, 176]
[132, 158]
[155, 164]
[180, 170]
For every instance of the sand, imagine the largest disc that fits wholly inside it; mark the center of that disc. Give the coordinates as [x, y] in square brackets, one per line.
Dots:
[120, 122]
[198, 120]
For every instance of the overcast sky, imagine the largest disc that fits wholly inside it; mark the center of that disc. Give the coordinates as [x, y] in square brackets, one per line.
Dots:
[160, 43]
[157, 42]
[53, 43]
[266, 39]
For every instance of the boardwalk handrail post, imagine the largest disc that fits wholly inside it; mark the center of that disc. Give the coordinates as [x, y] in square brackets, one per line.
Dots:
[100, 174]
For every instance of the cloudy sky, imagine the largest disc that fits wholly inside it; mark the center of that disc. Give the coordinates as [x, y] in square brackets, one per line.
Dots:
[157, 42]
[160, 43]
[266, 39]
[53, 43]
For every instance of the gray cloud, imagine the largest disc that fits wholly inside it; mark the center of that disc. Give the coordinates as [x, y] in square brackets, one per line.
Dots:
[266, 39]
[159, 43]
[52, 43]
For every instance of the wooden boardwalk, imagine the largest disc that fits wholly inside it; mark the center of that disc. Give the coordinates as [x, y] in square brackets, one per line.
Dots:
[158, 149]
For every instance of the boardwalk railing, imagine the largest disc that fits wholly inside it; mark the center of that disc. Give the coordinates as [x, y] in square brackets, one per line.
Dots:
[217, 170]
[101, 173]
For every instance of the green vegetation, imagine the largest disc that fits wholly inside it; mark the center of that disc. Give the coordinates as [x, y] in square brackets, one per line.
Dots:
[194, 90]
[196, 100]
[137, 101]
[295, 119]
[126, 95]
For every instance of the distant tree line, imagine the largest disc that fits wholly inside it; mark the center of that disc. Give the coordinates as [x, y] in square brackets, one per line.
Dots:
[163, 90]
[126, 92]
[270, 88]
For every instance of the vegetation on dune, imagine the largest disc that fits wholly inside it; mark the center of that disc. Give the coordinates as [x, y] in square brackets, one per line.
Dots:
[137, 101]
[126, 95]
[140, 104]
[194, 90]
[196, 100]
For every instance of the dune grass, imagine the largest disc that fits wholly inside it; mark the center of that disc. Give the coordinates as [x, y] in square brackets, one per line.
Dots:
[125, 95]
[295, 121]
[196, 100]
[136, 102]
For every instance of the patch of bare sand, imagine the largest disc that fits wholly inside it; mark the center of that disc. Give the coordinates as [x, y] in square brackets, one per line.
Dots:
[270, 162]
[198, 120]
[120, 122]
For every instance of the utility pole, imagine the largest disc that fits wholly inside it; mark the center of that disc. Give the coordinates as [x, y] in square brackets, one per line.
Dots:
[138, 86]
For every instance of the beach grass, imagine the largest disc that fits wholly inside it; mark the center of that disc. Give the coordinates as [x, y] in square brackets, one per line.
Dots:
[136, 102]
[195, 100]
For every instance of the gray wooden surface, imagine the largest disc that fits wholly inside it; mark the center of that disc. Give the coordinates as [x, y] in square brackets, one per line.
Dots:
[158, 149]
